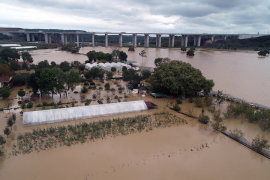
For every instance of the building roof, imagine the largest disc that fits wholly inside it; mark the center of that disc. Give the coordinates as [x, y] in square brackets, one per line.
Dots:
[5, 78]
[20, 63]
[83, 112]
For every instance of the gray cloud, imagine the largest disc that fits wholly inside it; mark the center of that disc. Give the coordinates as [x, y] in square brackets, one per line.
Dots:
[158, 15]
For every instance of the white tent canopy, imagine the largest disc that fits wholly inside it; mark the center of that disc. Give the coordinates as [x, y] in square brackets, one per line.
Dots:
[107, 66]
[33, 118]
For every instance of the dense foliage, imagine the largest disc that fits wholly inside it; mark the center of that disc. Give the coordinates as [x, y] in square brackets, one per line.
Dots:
[179, 78]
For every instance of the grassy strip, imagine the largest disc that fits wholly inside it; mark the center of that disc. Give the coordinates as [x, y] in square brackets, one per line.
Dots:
[43, 139]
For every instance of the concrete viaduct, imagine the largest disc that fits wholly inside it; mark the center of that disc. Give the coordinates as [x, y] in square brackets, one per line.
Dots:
[62, 37]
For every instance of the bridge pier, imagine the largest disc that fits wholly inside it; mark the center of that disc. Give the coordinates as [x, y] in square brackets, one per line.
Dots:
[146, 40]
[212, 38]
[46, 38]
[199, 40]
[66, 39]
[171, 40]
[33, 37]
[134, 40]
[78, 40]
[186, 40]
[225, 37]
[93, 40]
[120, 40]
[106, 40]
[158, 40]
[63, 39]
[28, 37]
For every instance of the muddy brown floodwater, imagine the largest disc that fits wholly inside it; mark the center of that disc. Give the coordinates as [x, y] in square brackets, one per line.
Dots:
[175, 152]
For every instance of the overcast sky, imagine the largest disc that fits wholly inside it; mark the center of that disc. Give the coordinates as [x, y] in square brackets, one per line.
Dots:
[186, 16]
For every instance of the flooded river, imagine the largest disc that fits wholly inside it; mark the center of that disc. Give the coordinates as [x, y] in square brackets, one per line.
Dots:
[174, 152]
[242, 74]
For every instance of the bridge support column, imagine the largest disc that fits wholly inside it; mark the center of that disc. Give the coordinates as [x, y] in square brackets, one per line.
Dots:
[134, 40]
[171, 40]
[225, 37]
[106, 40]
[120, 40]
[199, 41]
[33, 37]
[146, 40]
[212, 38]
[82, 40]
[78, 40]
[49, 38]
[186, 40]
[71, 38]
[63, 39]
[28, 37]
[46, 38]
[93, 40]
[158, 40]
[195, 40]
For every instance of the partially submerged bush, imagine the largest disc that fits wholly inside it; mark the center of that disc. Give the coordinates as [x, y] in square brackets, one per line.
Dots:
[236, 134]
[176, 107]
[204, 119]
[260, 142]
[179, 101]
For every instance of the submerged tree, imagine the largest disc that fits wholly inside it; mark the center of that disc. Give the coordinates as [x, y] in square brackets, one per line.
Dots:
[179, 78]
[260, 142]
[142, 54]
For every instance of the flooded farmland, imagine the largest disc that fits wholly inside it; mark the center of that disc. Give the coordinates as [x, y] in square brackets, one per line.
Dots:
[185, 151]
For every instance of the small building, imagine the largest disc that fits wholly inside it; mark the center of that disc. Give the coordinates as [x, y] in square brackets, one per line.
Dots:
[6, 81]
[21, 63]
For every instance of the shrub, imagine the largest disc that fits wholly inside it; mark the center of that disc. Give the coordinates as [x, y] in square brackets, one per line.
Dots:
[100, 101]
[179, 101]
[190, 100]
[21, 93]
[45, 103]
[260, 142]
[90, 87]
[113, 69]
[100, 87]
[94, 96]
[204, 119]
[190, 53]
[29, 105]
[131, 49]
[19, 102]
[107, 86]
[124, 68]
[86, 84]
[102, 80]
[183, 49]
[199, 102]
[76, 92]
[84, 89]
[115, 97]
[92, 83]
[176, 107]
[109, 75]
[87, 102]
[39, 105]
[23, 105]
[236, 134]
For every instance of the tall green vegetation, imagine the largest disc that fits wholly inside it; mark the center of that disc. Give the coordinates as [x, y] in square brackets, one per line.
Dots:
[260, 142]
[27, 57]
[5, 92]
[7, 54]
[179, 78]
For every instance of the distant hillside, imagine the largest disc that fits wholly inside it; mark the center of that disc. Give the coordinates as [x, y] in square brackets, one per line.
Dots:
[252, 43]
[3, 36]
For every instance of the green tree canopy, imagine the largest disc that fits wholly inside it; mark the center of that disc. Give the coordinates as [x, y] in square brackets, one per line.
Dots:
[8, 54]
[5, 70]
[21, 93]
[14, 65]
[46, 81]
[123, 56]
[60, 80]
[190, 53]
[65, 66]
[91, 55]
[179, 78]
[27, 57]
[5, 92]
[32, 82]
[72, 78]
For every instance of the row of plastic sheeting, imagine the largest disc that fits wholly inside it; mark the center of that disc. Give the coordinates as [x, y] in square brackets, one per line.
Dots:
[83, 112]
[107, 66]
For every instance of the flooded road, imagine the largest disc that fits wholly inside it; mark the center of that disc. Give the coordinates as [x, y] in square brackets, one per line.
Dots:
[242, 74]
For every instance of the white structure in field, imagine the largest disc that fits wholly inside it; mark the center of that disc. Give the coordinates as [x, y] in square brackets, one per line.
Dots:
[107, 66]
[34, 118]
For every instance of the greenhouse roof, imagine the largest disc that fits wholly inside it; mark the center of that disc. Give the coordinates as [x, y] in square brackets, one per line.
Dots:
[83, 112]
